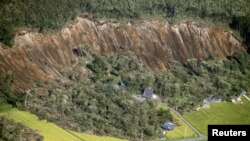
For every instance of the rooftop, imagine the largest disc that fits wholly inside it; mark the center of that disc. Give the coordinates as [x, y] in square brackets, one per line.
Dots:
[148, 93]
[168, 126]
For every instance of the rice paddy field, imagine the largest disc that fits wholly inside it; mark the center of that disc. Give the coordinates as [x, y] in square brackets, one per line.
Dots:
[220, 113]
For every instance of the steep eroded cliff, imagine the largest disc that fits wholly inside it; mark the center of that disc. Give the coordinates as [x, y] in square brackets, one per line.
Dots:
[36, 56]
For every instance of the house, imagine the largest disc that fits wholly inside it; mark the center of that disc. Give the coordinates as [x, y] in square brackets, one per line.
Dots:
[217, 98]
[168, 126]
[207, 101]
[148, 93]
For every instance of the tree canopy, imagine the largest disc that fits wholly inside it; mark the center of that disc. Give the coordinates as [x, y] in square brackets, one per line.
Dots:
[46, 14]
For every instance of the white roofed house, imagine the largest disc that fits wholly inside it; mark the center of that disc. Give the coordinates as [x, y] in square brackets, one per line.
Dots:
[236, 99]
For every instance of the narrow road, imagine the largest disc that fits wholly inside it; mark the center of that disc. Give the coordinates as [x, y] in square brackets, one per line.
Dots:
[247, 97]
[201, 136]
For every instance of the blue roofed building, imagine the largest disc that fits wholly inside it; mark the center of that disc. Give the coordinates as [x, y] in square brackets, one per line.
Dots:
[168, 126]
[148, 93]
[211, 99]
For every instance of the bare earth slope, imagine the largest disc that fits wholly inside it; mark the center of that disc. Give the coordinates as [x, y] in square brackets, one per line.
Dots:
[36, 56]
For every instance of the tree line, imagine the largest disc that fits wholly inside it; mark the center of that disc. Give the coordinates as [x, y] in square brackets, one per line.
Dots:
[46, 14]
[11, 131]
[242, 24]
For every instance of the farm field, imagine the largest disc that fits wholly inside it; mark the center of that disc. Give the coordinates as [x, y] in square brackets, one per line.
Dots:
[49, 131]
[220, 113]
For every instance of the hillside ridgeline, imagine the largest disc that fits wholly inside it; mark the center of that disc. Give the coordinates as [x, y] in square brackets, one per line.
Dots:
[36, 56]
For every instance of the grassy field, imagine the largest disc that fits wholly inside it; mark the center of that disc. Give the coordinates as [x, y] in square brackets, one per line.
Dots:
[220, 113]
[4, 108]
[49, 131]
[181, 131]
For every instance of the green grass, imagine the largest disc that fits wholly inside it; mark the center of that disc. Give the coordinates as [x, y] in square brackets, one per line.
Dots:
[220, 113]
[182, 131]
[162, 106]
[88, 137]
[49, 131]
[4, 107]
[179, 132]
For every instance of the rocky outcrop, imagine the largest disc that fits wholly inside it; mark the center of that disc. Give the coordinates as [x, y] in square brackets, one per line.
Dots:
[36, 56]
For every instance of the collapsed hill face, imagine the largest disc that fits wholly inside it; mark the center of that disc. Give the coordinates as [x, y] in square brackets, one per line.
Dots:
[36, 56]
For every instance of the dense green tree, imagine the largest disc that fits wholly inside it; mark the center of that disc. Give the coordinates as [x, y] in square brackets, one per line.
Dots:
[242, 24]
[11, 131]
[45, 15]
[6, 87]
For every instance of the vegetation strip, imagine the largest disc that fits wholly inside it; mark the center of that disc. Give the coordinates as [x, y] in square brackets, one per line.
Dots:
[48, 130]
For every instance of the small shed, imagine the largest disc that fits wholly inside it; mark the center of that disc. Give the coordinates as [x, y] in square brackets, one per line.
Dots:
[122, 83]
[168, 126]
[233, 98]
[148, 93]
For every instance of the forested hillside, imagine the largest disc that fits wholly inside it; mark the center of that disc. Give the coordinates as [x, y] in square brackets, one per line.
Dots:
[73, 77]
[85, 102]
[95, 103]
[47, 14]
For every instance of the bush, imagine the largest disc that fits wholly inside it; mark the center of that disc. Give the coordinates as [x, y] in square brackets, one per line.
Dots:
[11, 131]
[6, 88]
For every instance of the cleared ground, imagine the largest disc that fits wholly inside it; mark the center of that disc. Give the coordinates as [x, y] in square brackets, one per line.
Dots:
[220, 113]
[50, 131]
